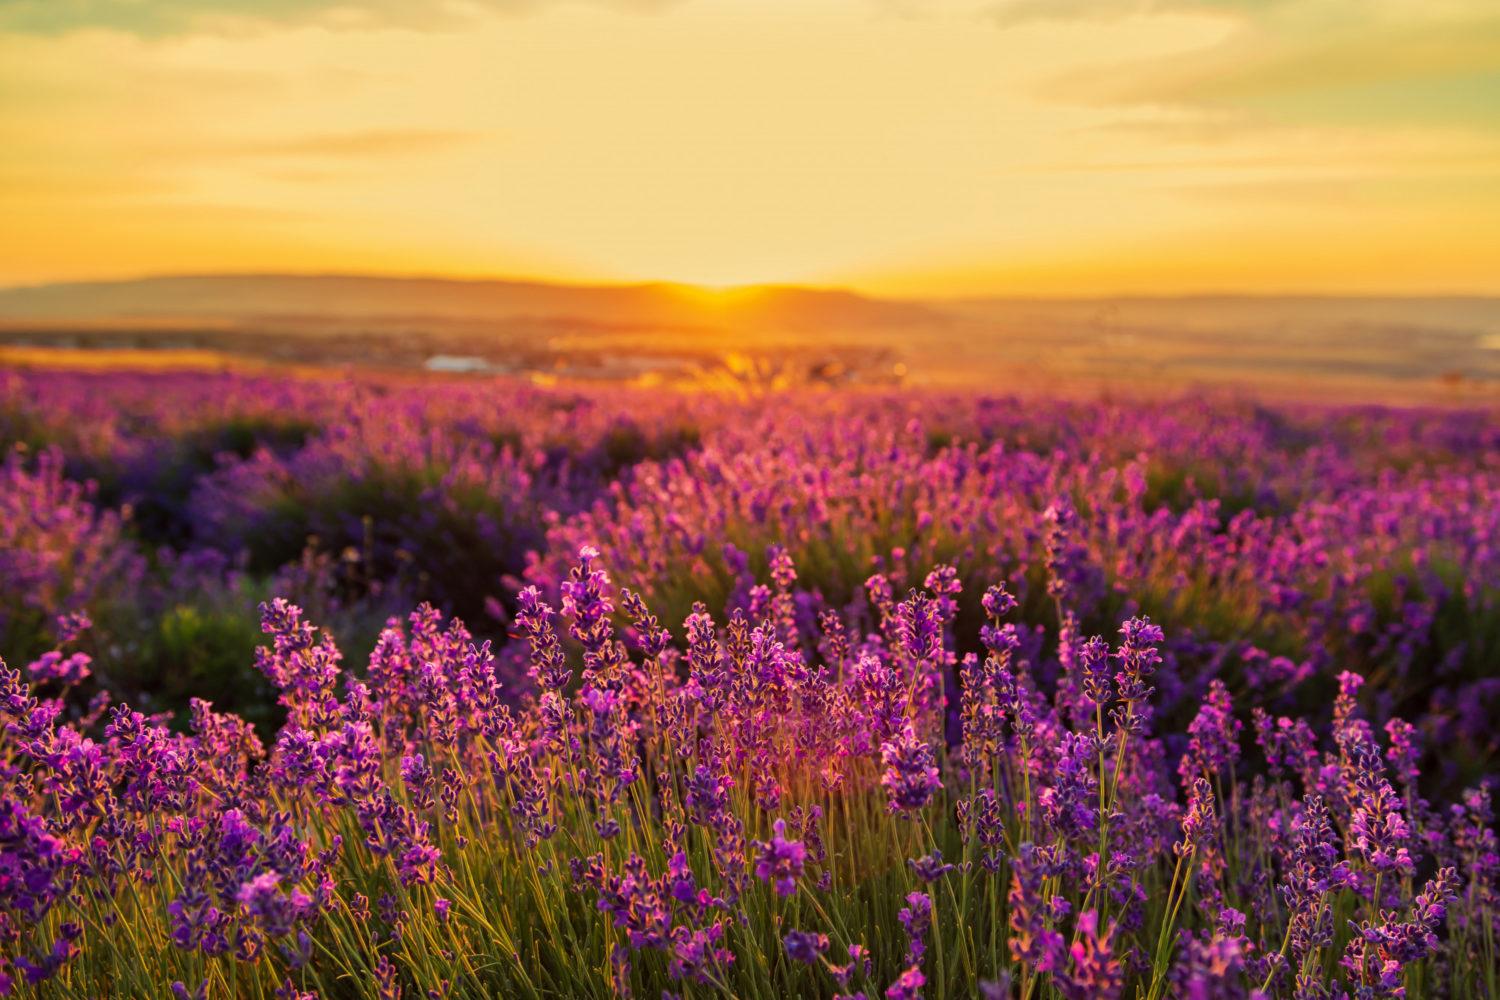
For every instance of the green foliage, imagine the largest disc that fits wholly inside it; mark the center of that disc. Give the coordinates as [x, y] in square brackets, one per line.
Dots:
[204, 650]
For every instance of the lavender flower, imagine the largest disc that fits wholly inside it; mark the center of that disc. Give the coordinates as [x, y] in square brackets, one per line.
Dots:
[781, 860]
[1378, 831]
[1213, 735]
[916, 920]
[911, 775]
[931, 867]
[804, 947]
[908, 985]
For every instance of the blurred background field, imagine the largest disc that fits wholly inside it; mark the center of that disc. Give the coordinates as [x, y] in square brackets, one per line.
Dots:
[1353, 349]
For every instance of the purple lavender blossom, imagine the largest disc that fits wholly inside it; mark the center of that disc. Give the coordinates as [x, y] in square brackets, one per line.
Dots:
[911, 774]
[1213, 735]
[908, 985]
[804, 947]
[781, 860]
[916, 919]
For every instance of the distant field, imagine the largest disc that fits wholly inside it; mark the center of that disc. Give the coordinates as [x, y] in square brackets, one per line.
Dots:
[1397, 350]
[133, 358]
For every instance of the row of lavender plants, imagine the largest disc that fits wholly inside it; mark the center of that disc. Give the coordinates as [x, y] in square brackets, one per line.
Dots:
[169, 505]
[1222, 731]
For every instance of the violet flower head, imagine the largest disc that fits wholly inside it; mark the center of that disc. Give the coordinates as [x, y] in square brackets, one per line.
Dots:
[387, 979]
[911, 774]
[881, 595]
[70, 625]
[535, 619]
[908, 985]
[1214, 966]
[781, 860]
[653, 639]
[1404, 751]
[698, 952]
[998, 602]
[1213, 735]
[919, 624]
[1288, 745]
[944, 582]
[1432, 903]
[273, 910]
[986, 824]
[1199, 823]
[804, 947]
[417, 776]
[66, 670]
[707, 797]
[1070, 802]
[1315, 871]
[859, 963]
[1095, 972]
[1380, 950]
[1378, 831]
[583, 593]
[916, 920]
[1033, 942]
[783, 570]
[1061, 553]
[996, 989]
[1137, 658]
[1093, 670]
[931, 867]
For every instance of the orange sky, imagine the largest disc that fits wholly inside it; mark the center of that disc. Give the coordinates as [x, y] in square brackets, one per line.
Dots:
[920, 147]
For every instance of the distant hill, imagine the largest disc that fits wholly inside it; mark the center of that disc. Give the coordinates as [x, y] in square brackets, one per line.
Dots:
[266, 299]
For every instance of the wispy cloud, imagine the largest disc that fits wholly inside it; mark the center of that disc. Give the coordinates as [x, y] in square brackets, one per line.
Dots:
[1342, 62]
[159, 18]
[1014, 12]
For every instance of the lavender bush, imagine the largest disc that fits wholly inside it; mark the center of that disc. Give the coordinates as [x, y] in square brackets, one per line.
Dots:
[813, 695]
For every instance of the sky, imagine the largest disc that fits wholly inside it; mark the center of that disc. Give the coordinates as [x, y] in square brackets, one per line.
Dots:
[905, 147]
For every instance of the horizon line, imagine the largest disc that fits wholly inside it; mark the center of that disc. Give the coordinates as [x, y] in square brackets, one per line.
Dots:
[667, 283]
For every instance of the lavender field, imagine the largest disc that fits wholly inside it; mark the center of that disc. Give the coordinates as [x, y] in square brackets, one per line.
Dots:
[388, 686]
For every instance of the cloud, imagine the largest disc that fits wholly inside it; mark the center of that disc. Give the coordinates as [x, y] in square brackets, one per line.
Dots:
[1014, 12]
[159, 18]
[1257, 65]
[1344, 62]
